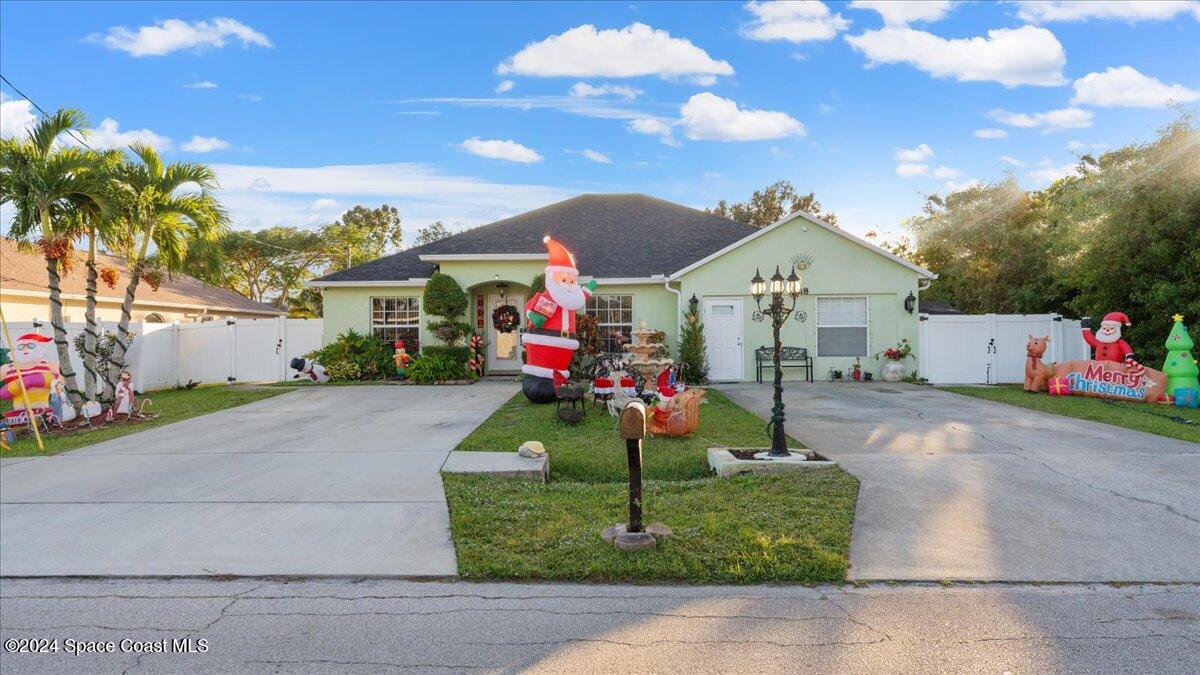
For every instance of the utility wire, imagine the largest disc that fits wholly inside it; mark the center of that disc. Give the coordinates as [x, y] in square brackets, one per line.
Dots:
[42, 111]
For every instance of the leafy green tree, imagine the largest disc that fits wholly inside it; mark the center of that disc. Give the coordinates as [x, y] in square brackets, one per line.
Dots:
[268, 265]
[156, 201]
[44, 182]
[361, 235]
[771, 203]
[692, 350]
[430, 233]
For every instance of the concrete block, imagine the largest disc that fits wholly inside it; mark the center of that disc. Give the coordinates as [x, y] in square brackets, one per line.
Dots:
[502, 464]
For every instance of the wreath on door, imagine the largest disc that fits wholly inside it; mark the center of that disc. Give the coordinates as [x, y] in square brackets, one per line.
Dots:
[505, 318]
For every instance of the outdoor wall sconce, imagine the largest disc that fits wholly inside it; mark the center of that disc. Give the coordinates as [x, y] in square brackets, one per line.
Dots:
[910, 303]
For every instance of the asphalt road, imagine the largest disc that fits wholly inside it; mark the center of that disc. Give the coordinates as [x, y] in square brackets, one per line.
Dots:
[384, 626]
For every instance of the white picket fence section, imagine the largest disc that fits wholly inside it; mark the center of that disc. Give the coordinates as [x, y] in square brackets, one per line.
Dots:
[224, 351]
[990, 348]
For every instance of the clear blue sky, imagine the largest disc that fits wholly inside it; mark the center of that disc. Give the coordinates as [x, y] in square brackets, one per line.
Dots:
[465, 113]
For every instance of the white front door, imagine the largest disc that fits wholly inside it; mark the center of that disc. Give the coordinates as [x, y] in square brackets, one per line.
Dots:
[723, 338]
[504, 349]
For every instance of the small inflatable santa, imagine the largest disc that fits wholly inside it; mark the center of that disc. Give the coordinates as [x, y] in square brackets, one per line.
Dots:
[1107, 341]
[549, 337]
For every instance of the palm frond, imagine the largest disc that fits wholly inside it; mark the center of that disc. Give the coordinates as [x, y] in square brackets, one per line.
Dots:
[49, 128]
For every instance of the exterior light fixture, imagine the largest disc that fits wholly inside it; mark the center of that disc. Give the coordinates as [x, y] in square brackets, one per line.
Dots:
[792, 286]
[910, 303]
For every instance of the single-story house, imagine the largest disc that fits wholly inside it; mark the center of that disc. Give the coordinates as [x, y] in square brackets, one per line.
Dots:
[650, 258]
[26, 296]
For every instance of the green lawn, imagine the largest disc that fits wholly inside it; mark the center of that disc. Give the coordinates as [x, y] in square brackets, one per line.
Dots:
[591, 452]
[1155, 419]
[747, 529]
[171, 405]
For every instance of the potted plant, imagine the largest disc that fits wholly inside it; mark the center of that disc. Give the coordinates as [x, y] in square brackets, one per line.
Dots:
[893, 366]
[856, 370]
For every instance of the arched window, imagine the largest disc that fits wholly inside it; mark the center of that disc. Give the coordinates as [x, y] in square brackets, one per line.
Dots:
[154, 317]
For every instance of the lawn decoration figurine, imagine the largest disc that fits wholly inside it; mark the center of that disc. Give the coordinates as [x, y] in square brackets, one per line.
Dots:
[124, 397]
[31, 366]
[1180, 365]
[63, 410]
[401, 359]
[550, 339]
[1107, 342]
[1113, 373]
[310, 370]
[1036, 372]
[476, 359]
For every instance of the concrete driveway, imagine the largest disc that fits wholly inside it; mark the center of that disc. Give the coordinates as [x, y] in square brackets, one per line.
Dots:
[321, 481]
[955, 487]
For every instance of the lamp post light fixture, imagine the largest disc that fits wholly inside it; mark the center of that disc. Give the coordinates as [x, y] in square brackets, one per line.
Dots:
[793, 287]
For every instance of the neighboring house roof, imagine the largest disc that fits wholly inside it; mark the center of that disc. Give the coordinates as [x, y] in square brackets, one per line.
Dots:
[938, 307]
[611, 235]
[26, 271]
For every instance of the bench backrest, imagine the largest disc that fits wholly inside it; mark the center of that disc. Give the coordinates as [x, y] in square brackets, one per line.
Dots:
[785, 354]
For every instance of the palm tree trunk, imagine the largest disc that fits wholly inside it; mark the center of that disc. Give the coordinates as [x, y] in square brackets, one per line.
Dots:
[66, 371]
[90, 333]
[116, 362]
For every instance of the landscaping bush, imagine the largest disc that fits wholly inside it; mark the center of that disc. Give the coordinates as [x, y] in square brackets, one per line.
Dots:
[692, 350]
[444, 297]
[354, 356]
[449, 331]
[435, 368]
[538, 284]
[452, 352]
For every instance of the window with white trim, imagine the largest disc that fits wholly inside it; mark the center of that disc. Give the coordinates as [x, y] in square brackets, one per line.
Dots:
[842, 326]
[397, 319]
[615, 316]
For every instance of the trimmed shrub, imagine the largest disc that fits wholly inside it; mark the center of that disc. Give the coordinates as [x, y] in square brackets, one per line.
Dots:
[354, 356]
[692, 350]
[454, 353]
[436, 368]
[444, 297]
[449, 331]
[539, 283]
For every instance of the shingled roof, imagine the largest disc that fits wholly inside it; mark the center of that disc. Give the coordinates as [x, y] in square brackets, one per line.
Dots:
[611, 235]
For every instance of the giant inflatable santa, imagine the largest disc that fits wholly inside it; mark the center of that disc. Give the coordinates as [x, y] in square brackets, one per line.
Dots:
[1107, 341]
[549, 337]
[31, 357]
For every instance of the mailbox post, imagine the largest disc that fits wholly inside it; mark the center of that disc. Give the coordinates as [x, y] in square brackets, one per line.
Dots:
[633, 430]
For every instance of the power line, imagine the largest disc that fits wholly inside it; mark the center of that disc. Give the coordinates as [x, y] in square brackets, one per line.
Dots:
[42, 111]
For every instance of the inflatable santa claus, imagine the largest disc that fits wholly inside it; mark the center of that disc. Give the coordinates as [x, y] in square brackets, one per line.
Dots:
[1107, 341]
[549, 336]
[31, 358]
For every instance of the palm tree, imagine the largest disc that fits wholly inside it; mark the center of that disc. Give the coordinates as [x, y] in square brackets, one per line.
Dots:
[160, 212]
[45, 181]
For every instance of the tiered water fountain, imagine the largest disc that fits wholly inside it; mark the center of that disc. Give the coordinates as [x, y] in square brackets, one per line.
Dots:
[643, 351]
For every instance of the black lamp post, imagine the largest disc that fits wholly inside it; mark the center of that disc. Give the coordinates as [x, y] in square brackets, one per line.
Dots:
[778, 287]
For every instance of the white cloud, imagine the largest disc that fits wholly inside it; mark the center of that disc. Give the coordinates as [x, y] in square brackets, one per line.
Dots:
[633, 51]
[990, 133]
[1049, 172]
[1080, 146]
[946, 172]
[911, 169]
[1051, 120]
[109, 135]
[1011, 160]
[16, 117]
[794, 21]
[323, 204]
[576, 105]
[918, 154]
[253, 98]
[260, 196]
[202, 84]
[505, 86]
[903, 13]
[1010, 56]
[175, 34]
[1124, 10]
[708, 117]
[654, 126]
[1125, 86]
[509, 151]
[825, 108]
[595, 156]
[204, 144]
[584, 90]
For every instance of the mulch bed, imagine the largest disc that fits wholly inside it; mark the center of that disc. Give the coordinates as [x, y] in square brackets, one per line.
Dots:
[79, 426]
[749, 453]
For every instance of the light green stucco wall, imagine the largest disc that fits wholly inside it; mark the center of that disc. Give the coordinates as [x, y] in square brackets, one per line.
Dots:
[840, 267]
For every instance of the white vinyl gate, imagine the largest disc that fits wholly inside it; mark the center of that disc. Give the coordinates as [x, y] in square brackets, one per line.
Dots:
[235, 350]
[990, 348]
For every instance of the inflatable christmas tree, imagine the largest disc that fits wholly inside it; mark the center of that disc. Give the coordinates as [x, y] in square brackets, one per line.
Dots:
[1180, 366]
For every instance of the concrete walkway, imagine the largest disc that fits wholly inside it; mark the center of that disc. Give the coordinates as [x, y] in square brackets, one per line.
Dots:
[381, 626]
[955, 487]
[321, 481]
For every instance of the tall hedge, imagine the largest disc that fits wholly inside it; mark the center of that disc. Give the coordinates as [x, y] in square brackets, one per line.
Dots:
[444, 297]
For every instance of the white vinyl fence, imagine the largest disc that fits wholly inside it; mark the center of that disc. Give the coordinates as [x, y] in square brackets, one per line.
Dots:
[990, 348]
[233, 350]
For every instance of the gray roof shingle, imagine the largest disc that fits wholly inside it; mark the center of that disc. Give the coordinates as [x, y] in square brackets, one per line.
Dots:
[611, 235]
